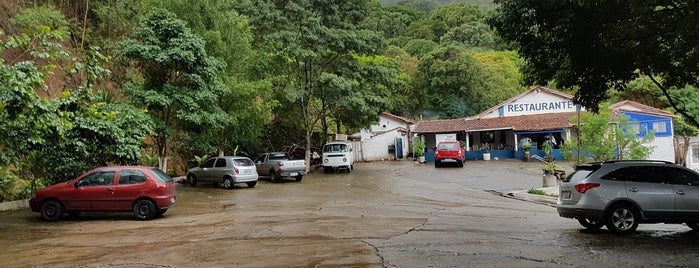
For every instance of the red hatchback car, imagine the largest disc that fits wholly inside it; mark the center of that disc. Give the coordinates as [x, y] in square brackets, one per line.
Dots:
[449, 151]
[146, 191]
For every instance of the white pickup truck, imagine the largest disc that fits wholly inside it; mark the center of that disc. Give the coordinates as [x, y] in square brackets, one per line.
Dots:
[277, 165]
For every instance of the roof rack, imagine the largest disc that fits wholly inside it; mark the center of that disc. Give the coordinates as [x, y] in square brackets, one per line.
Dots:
[638, 161]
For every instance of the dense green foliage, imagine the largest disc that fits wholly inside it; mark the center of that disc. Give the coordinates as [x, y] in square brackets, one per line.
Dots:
[601, 140]
[595, 45]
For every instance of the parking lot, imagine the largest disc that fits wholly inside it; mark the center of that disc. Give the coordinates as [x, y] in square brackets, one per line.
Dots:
[383, 214]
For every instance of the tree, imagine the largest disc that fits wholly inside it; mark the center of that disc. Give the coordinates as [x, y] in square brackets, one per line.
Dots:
[315, 44]
[592, 45]
[58, 137]
[181, 87]
[602, 140]
[248, 104]
[447, 78]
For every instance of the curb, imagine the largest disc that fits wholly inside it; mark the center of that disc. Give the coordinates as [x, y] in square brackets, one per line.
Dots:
[524, 195]
[14, 205]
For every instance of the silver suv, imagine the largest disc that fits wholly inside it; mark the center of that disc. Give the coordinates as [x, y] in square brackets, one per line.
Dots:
[622, 194]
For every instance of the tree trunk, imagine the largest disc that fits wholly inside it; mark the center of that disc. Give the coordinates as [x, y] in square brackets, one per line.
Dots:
[681, 149]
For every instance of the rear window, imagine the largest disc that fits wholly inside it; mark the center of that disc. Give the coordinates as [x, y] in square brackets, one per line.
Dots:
[581, 172]
[243, 162]
[279, 157]
[448, 146]
[161, 176]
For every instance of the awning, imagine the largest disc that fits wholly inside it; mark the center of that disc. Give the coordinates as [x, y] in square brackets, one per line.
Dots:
[539, 131]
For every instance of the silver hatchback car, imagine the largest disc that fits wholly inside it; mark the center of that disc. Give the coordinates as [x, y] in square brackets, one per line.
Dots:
[226, 170]
[622, 194]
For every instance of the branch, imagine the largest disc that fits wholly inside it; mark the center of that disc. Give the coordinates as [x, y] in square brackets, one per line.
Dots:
[672, 102]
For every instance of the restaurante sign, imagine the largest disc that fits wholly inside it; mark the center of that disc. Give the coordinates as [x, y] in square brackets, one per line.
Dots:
[541, 106]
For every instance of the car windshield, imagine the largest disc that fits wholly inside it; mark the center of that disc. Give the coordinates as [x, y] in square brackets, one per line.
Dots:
[335, 148]
[161, 176]
[448, 146]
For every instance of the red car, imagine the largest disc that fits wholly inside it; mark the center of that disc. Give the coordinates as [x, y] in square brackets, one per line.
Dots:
[146, 191]
[449, 151]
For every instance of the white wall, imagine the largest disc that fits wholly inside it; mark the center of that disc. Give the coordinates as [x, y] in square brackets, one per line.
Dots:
[376, 148]
[664, 149]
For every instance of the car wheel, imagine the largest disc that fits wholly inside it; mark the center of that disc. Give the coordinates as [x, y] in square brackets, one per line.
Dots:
[144, 210]
[299, 177]
[461, 164]
[693, 225]
[273, 176]
[252, 184]
[228, 183]
[51, 210]
[191, 180]
[622, 219]
[436, 164]
[590, 224]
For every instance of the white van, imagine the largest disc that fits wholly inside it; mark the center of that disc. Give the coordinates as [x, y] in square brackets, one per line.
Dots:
[337, 155]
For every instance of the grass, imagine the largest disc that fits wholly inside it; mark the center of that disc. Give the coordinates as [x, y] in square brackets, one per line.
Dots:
[540, 192]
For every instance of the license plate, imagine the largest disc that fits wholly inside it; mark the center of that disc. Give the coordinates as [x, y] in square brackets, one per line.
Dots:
[293, 173]
[565, 194]
[247, 171]
[172, 200]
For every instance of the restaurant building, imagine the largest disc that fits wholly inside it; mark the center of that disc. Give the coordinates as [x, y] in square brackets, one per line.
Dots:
[537, 115]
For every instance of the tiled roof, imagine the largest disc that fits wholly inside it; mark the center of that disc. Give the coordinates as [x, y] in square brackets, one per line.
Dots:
[639, 108]
[399, 118]
[440, 126]
[517, 123]
[538, 88]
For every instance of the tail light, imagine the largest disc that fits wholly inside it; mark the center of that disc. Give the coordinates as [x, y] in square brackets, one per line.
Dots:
[280, 163]
[236, 170]
[582, 188]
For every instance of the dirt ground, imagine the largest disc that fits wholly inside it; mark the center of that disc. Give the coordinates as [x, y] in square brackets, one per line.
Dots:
[383, 214]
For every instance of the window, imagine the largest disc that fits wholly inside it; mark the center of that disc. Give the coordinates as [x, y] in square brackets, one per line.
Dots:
[209, 163]
[99, 178]
[659, 127]
[161, 176]
[695, 153]
[683, 177]
[128, 176]
[243, 162]
[221, 162]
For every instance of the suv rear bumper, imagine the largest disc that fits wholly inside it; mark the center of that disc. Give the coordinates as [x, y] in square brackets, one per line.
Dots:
[574, 213]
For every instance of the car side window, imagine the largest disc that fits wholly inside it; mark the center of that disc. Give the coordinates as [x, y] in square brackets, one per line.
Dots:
[683, 177]
[261, 158]
[221, 162]
[128, 176]
[636, 173]
[99, 178]
[209, 163]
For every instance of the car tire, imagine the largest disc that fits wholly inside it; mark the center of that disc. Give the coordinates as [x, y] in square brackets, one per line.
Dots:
[299, 178]
[191, 180]
[273, 176]
[693, 225]
[144, 209]
[51, 210]
[590, 224]
[437, 164]
[227, 183]
[622, 219]
[461, 164]
[252, 184]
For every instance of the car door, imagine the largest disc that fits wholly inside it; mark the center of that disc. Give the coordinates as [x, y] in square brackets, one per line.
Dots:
[685, 184]
[94, 192]
[206, 169]
[650, 189]
[130, 186]
[261, 165]
[219, 170]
